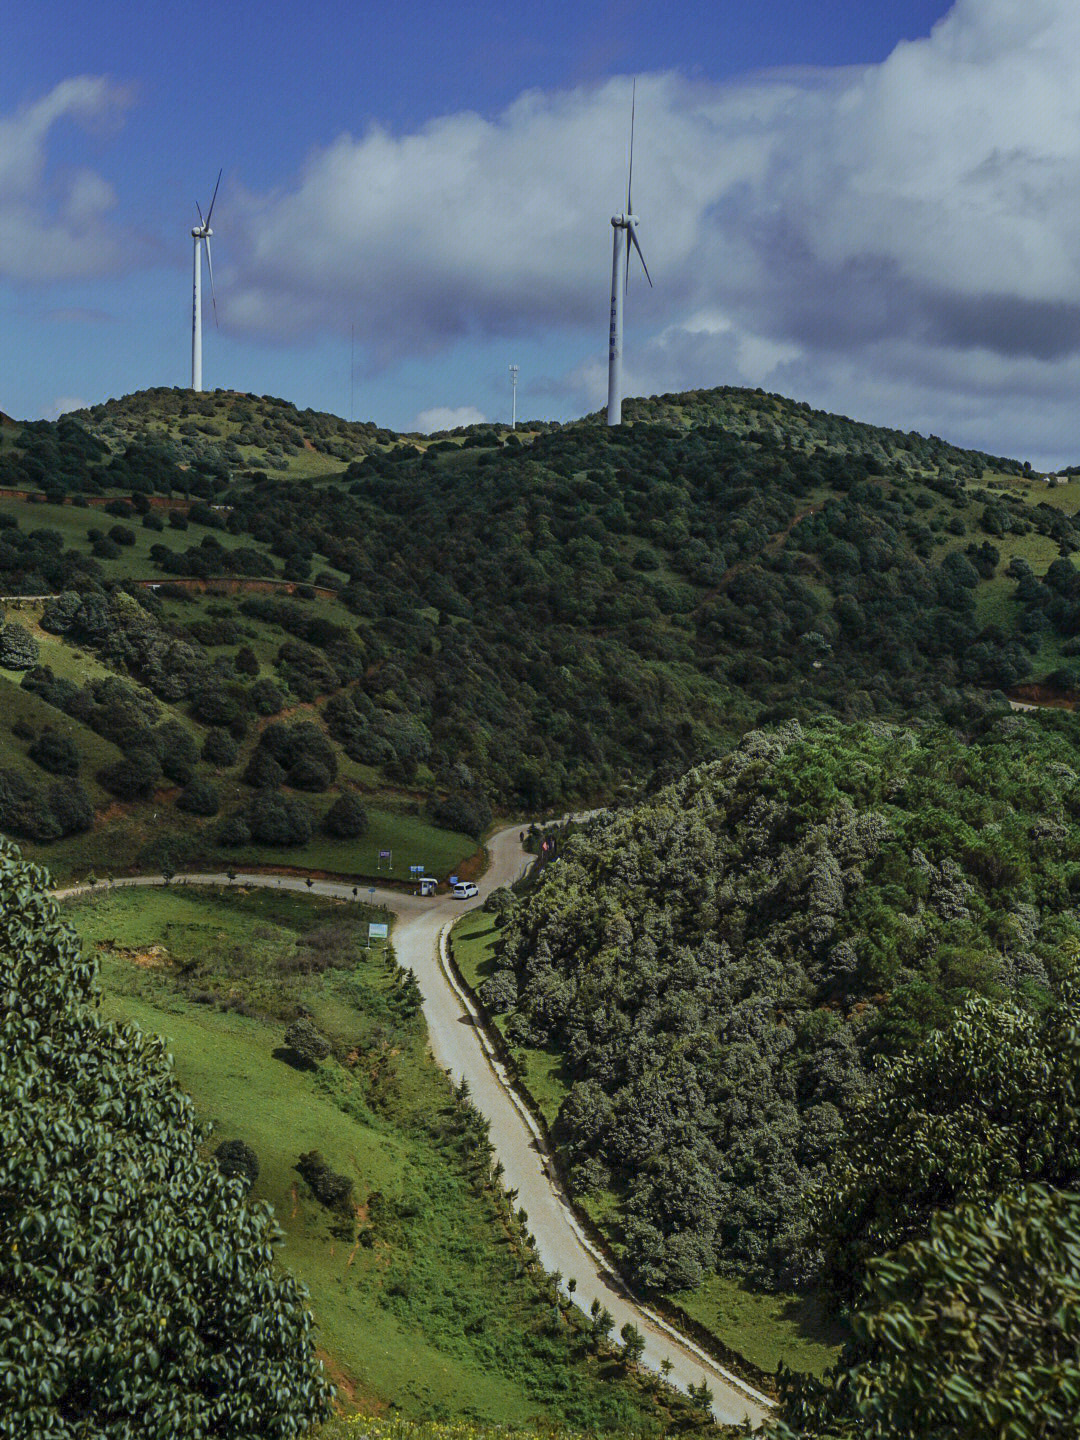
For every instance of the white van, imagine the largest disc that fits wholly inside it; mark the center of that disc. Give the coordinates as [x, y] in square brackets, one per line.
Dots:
[465, 890]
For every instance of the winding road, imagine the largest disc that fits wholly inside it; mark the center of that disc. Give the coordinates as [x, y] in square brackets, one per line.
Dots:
[460, 1046]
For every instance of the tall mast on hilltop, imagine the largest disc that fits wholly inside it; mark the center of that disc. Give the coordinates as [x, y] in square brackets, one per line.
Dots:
[625, 228]
[513, 386]
[200, 233]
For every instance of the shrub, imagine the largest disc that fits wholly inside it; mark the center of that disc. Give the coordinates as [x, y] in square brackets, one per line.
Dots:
[70, 806]
[233, 832]
[220, 749]
[153, 522]
[276, 819]
[471, 814]
[306, 1042]
[178, 750]
[238, 1161]
[213, 704]
[347, 817]
[24, 811]
[55, 753]
[134, 776]
[266, 698]
[310, 772]
[247, 662]
[332, 1190]
[263, 771]
[121, 535]
[199, 797]
[158, 1311]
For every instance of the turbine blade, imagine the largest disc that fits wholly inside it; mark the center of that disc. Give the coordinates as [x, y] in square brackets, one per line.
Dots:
[637, 247]
[213, 198]
[210, 267]
[630, 170]
[202, 222]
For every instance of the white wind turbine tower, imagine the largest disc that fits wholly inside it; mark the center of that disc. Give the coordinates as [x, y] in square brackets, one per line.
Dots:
[200, 233]
[624, 226]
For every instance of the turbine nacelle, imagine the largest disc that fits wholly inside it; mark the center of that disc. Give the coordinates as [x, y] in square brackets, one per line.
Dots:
[624, 222]
[201, 232]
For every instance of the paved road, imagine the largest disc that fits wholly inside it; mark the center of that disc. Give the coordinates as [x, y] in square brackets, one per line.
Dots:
[458, 1046]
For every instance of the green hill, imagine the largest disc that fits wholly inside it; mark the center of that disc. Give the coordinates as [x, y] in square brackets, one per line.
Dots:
[704, 982]
[490, 620]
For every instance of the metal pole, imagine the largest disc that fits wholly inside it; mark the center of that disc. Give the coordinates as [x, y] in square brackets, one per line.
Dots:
[615, 338]
[513, 382]
[196, 321]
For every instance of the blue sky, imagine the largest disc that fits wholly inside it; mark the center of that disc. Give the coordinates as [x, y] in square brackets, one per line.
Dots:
[838, 201]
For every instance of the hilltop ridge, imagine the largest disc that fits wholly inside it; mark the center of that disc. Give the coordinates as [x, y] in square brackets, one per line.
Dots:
[495, 620]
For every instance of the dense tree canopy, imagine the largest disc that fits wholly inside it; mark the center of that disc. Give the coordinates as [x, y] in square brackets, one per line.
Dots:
[134, 1278]
[721, 966]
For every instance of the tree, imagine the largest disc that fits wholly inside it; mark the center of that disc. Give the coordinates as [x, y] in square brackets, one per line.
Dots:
[987, 1105]
[633, 1343]
[346, 817]
[970, 1333]
[701, 1395]
[18, 648]
[137, 1282]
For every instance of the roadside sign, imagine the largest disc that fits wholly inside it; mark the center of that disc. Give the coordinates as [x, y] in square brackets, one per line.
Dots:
[453, 879]
[416, 869]
[377, 932]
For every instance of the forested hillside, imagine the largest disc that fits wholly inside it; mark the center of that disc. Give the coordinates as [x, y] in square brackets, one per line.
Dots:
[721, 967]
[490, 620]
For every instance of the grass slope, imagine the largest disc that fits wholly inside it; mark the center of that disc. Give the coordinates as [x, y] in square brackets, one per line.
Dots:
[425, 1299]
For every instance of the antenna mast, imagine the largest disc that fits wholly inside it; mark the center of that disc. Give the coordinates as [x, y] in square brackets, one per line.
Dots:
[513, 385]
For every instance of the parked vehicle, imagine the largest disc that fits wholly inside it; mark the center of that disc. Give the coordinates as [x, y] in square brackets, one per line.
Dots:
[465, 890]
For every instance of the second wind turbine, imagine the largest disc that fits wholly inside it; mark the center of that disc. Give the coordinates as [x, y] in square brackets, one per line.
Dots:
[200, 233]
[625, 235]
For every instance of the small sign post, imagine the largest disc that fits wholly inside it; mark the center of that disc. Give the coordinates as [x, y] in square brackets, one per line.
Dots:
[386, 856]
[377, 931]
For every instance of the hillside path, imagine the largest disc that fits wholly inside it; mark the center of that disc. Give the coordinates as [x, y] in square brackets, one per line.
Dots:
[459, 1046]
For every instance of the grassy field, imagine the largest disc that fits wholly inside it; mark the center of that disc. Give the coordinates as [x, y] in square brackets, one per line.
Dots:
[764, 1327]
[130, 839]
[426, 1298]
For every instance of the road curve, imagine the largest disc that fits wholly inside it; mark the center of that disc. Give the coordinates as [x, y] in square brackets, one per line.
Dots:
[460, 1047]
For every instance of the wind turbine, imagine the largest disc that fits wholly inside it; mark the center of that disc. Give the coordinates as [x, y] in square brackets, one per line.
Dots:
[200, 233]
[625, 228]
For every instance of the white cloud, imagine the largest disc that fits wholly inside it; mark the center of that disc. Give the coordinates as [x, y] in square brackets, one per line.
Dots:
[55, 225]
[901, 235]
[65, 404]
[447, 417]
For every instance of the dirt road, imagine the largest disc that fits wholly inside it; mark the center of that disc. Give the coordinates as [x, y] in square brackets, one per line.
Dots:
[458, 1046]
